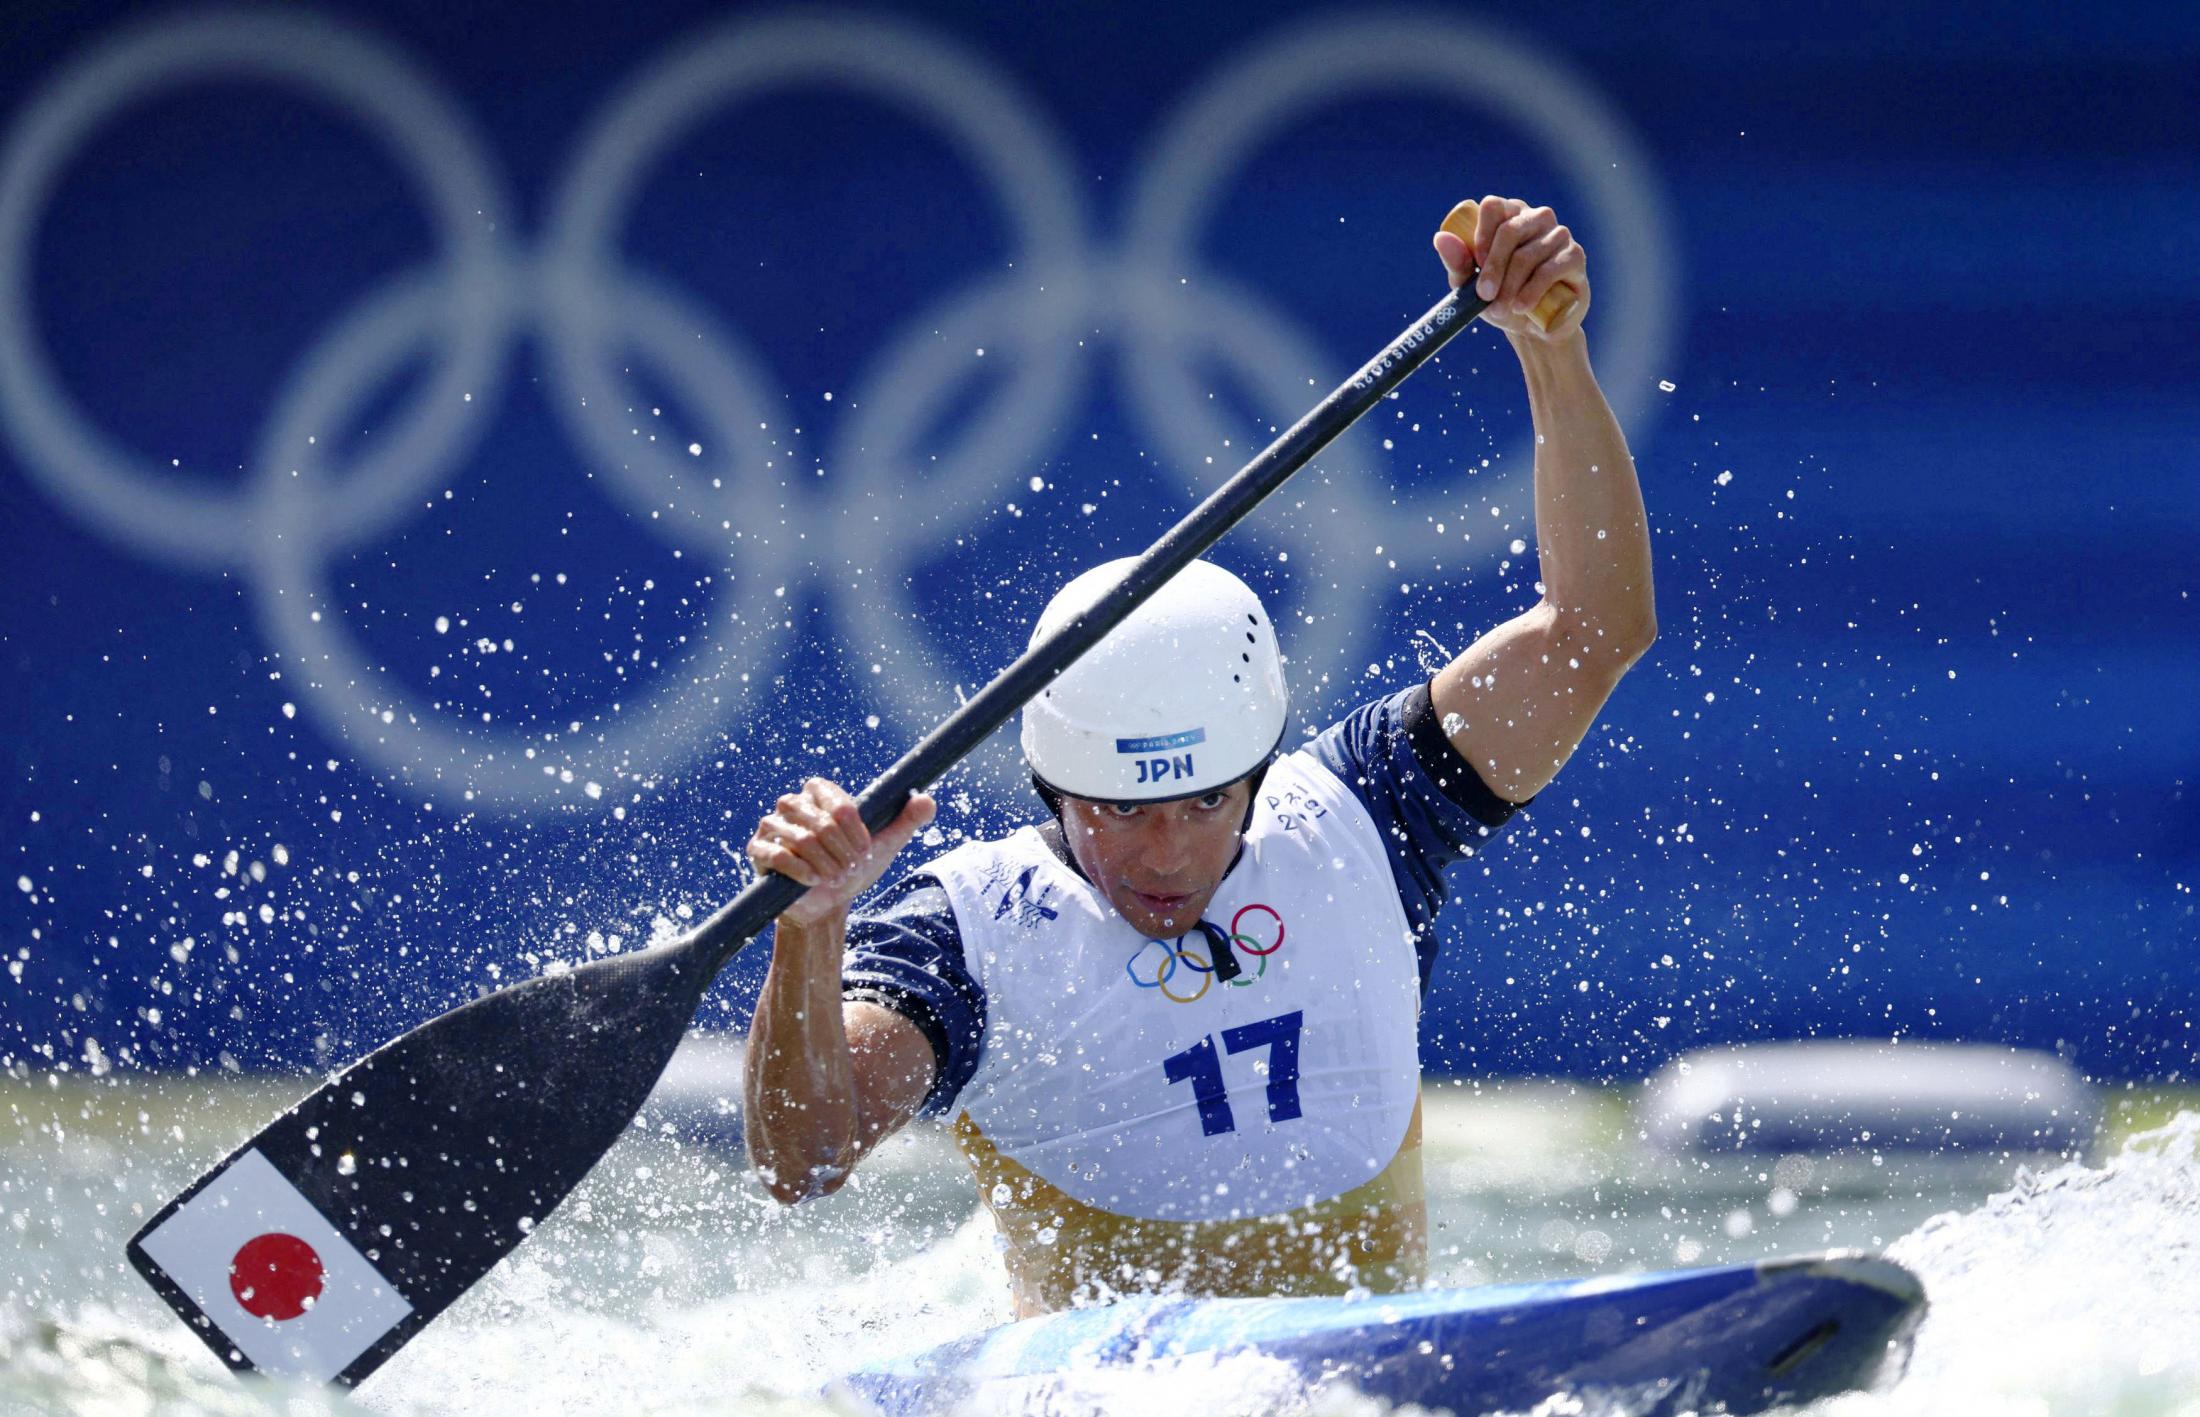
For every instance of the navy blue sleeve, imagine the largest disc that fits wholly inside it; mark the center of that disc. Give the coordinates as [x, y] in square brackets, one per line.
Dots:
[1429, 803]
[905, 954]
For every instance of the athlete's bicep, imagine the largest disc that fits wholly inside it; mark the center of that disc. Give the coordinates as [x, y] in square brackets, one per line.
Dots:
[1522, 698]
[893, 1069]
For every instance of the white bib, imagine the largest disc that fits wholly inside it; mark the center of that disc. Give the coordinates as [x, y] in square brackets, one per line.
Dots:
[1127, 1073]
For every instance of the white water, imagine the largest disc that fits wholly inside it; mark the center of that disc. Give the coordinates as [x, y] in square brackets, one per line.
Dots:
[669, 1285]
[2077, 1290]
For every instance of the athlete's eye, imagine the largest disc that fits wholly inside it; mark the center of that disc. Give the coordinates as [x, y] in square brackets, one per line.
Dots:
[1120, 810]
[1212, 800]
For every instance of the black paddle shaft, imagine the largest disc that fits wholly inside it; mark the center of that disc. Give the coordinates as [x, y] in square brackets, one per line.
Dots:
[738, 922]
[435, 1155]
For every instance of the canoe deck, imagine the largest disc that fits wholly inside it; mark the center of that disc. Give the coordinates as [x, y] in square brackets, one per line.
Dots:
[1745, 1337]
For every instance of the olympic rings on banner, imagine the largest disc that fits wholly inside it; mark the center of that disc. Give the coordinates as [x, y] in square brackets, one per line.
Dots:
[592, 320]
[123, 493]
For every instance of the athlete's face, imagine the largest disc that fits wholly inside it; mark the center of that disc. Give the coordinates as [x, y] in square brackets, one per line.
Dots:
[1158, 863]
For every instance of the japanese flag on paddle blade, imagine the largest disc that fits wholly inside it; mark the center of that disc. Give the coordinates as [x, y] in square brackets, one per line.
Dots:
[283, 1286]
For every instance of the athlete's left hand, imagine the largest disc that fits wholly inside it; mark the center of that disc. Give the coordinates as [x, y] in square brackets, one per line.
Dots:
[1521, 252]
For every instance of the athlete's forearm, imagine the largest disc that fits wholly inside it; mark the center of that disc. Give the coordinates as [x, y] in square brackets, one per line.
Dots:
[800, 1115]
[1592, 533]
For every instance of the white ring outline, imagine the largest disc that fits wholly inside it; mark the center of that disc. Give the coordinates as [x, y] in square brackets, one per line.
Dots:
[1142, 297]
[871, 458]
[884, 625]
[1326, 59]
[967, 100]
[82, 466]
[1245, 331]
[1385, 53]
[679, 718]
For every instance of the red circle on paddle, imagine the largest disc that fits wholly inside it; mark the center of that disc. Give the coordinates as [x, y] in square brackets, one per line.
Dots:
[276, 1276]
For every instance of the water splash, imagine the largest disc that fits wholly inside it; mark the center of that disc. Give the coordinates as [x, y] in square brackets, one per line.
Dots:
[1430, 653]
[670, 1286]
[2076, 1290]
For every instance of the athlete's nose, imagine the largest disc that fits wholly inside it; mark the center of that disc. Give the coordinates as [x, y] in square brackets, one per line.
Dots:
[1164, 845]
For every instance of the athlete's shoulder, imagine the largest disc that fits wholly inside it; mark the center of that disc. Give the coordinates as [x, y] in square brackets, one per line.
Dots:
[1301, 767]
[1304, 807]
[1364, 742]
[1394, 755]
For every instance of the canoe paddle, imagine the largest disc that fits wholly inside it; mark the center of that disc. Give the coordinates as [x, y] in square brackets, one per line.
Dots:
[321, 1246]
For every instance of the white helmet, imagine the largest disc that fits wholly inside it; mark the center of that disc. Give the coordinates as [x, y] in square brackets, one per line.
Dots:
[1183, 697]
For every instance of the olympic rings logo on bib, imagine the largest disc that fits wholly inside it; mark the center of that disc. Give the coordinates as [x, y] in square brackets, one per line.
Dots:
[1173, 966]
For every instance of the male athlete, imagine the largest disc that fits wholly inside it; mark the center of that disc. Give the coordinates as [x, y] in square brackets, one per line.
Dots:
[1176, 1025]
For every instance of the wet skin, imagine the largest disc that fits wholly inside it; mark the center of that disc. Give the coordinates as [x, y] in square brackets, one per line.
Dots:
[1159, 864]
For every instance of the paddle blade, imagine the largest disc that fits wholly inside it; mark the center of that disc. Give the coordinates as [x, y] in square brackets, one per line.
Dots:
[326, 1242]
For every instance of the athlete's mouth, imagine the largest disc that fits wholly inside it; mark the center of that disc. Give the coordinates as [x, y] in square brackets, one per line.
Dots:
[1164, 905]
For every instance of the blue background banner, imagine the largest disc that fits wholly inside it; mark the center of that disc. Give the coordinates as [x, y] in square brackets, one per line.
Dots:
[458, 464]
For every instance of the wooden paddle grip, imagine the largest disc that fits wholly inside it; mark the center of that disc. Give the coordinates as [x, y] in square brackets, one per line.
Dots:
[1556, 301]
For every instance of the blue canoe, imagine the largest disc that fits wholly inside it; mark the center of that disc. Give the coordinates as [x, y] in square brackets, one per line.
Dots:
[1743, 1337]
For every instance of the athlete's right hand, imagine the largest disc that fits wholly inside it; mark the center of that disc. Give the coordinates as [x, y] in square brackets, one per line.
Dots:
[817, 837]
